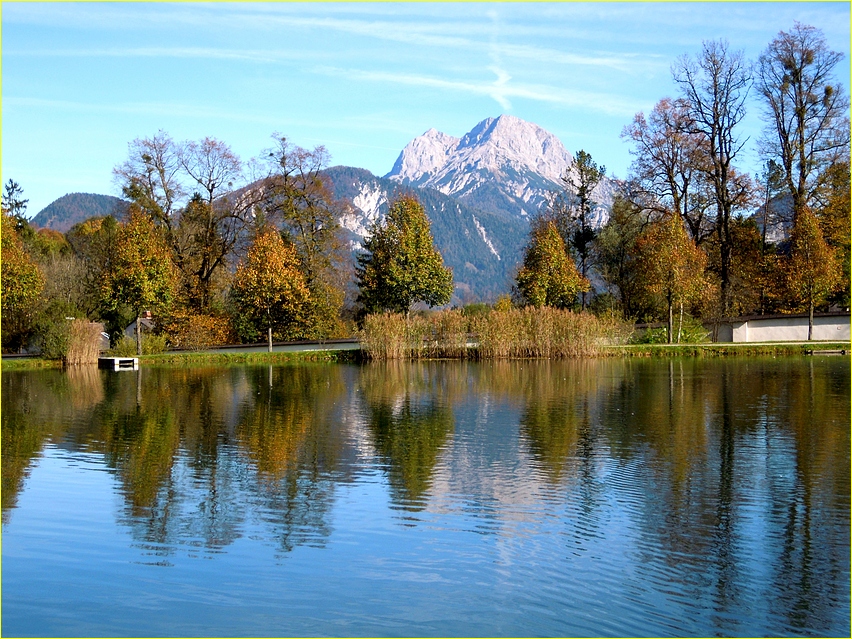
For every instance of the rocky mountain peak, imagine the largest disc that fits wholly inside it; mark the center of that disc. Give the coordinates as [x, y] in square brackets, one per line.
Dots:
[493, 144]
[422, 156]
[505, 164]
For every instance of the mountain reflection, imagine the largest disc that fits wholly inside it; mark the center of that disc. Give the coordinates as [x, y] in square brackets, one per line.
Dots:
[729, 479]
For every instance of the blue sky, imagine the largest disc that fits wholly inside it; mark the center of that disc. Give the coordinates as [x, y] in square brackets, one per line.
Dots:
[80, 81]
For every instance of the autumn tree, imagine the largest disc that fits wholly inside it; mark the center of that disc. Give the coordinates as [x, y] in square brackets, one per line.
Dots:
[400, 264]
[806, 110]
[548, 276]
[21, 283]
[93, 242]
[191, 189]
[755, 284]
[141, 274]
[832, 210]
[716, 85]
[812, 269]
[672, 266]
[669, 167]
[269, 287]
[297, 199]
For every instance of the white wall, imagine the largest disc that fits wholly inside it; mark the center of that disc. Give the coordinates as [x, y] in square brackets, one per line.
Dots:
[834, 328]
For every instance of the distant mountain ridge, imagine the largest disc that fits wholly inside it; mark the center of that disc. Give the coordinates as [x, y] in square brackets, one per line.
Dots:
[63, 213]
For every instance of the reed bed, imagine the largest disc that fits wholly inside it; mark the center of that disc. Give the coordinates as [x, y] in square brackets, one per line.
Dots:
[84, 339]
[515, 333]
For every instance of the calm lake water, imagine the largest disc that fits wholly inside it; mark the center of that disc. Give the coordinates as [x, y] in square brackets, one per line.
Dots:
[603, 497]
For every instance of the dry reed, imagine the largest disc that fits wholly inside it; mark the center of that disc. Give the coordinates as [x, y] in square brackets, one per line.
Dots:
[514, 333]
[84, 339]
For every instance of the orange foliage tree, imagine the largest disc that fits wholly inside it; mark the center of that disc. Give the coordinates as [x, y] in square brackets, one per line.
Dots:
[269, 285]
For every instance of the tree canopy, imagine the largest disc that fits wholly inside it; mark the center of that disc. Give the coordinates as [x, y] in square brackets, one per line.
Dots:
[548, 276]
[400, 264]
[269, 288]
[141, 275]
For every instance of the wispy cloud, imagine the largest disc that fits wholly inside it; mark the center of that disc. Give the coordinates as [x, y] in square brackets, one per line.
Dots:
[158, 109]
[464, 32]
[206, 53]
[500, 90]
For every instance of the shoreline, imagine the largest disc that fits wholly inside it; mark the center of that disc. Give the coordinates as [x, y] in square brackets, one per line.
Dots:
[708, 349]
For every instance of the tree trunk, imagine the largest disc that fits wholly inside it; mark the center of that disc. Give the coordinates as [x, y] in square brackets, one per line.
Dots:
[138, 334]
[669, 327]
[269, 333]
[680, 323]
[810, 320]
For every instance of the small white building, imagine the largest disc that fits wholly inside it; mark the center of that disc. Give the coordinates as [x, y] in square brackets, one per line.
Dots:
[829, 327]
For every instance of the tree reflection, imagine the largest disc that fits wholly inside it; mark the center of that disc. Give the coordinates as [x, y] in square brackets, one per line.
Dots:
[40, 407]
[287, 430]
[196, 451]
[728, 478]
[562, 401]
[410, 421]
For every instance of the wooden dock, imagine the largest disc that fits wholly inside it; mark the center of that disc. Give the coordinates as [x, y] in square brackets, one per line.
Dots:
[119, 363]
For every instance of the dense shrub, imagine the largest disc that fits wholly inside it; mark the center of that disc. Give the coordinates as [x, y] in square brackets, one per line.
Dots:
[196, 332]
[151, 345]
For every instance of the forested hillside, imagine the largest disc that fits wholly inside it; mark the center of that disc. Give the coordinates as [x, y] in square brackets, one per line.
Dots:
[60, 215]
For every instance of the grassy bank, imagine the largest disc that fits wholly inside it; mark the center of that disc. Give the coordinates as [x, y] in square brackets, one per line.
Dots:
[28, 363]
[203, 359]
[724, 349]
[225, 359]
[189, 359]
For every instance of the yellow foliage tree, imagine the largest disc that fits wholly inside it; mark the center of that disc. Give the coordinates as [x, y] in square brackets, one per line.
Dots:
[22, 284]
[813, 271]
[142, 275]
[671, 265]
[549, 276]
[270, 286]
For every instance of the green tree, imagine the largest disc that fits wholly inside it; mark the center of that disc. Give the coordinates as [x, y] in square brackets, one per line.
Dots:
[616, 254]
[141, 274]
[400, 265]
[580, 233]
[672, 265]
[13, 203]
[269, 286]
[548, 276]
[22, 284]
[812, 269]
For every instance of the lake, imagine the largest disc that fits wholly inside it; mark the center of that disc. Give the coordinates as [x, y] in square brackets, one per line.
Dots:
[608, 497]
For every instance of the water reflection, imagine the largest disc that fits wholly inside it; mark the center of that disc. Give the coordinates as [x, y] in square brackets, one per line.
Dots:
[410, 420]
[720, 482]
